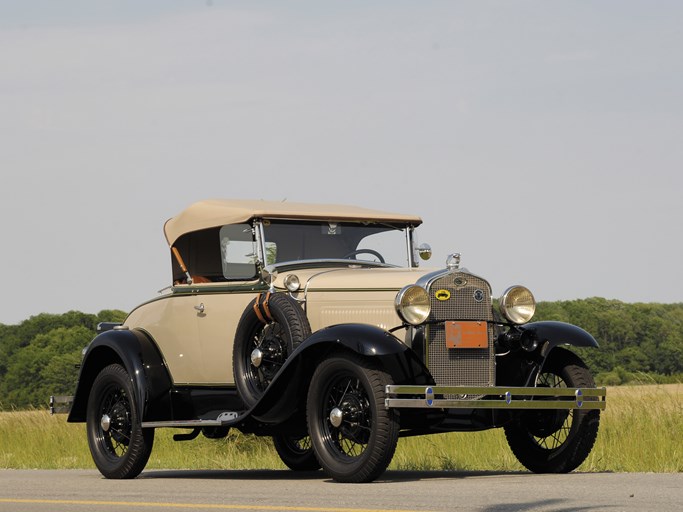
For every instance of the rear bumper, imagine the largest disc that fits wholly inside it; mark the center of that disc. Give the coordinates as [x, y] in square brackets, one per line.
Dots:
[416, 397]
[60, 404]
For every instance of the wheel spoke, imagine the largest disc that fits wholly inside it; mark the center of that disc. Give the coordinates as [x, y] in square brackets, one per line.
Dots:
[555, 439]
[121, 434]
[272, 362]
[350, 437]
[117, 437]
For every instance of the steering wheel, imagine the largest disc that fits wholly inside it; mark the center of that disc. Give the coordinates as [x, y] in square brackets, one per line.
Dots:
[365, 251]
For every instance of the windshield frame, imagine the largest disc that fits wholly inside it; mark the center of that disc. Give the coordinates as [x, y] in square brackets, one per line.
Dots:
[259, 231]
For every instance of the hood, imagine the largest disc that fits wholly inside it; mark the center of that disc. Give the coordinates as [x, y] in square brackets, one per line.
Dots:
[365, 279]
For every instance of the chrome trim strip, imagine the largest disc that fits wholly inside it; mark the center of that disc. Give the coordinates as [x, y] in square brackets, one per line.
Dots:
[217, 288]
[409, 243]
[426, 280]
[260, 234]
[340, 263]
[505, 397]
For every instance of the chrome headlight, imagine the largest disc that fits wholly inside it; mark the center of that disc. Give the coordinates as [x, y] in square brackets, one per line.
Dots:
[292, 283]
[518, 304]
[413, 305]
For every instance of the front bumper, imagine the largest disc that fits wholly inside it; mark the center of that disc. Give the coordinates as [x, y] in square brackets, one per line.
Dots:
[501, 397]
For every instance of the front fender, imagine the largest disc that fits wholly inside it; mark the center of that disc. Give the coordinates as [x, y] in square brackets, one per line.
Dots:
[520, 367]
[550, 334]
[141, 359]
[395, 357]
[364, 339]
[289, 388]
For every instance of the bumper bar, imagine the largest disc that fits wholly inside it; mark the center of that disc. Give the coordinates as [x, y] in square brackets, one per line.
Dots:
[494, 397]
[60, 404]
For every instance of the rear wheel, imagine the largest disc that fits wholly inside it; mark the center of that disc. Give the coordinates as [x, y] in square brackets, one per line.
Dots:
[354, 435]
[119, 445]
[296, 452]
[555, 441]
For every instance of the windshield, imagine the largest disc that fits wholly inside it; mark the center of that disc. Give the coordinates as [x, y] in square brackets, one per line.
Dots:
[288, 241]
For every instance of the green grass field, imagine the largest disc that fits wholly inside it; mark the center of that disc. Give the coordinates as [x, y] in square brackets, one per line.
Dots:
[641, 431]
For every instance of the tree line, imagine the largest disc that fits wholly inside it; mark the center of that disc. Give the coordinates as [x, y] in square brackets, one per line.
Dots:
[643, 341]
[38, 357]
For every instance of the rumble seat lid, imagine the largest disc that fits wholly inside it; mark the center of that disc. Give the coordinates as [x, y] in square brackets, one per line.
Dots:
[220, 212]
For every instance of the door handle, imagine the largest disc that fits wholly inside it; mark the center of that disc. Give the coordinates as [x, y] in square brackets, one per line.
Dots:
[200, 307]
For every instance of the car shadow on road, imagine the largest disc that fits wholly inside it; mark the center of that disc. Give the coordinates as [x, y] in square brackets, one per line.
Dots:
[271, 474]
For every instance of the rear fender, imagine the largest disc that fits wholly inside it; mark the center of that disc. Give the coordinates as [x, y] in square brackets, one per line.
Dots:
[144, 364]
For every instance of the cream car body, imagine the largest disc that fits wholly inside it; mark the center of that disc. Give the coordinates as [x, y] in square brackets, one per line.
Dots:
[198, 345]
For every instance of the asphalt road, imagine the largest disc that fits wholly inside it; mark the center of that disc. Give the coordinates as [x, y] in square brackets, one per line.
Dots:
[286, 491]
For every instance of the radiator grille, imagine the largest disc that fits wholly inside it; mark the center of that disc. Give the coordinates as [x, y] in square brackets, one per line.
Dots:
[470, 299]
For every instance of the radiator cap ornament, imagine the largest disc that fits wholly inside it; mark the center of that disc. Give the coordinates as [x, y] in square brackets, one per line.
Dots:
[453, 261]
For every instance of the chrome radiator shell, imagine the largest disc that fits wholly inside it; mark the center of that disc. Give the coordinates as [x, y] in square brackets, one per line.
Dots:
[469, 298]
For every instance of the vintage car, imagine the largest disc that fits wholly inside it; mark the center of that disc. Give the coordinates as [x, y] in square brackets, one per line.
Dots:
[315, 325]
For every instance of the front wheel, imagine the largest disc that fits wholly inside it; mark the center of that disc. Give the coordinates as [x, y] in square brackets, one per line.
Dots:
[119, 445]
[353, 434]
[555, 441]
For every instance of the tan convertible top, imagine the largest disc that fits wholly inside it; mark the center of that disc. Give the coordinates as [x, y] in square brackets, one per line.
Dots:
[219, 212]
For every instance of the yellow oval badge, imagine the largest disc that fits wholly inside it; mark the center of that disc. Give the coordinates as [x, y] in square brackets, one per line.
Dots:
[442, 295]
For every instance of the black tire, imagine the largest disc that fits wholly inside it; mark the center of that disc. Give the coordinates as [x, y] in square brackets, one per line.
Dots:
[296, 452]
[354, 435]
[276, 339]
[119, 445]
[556, 441]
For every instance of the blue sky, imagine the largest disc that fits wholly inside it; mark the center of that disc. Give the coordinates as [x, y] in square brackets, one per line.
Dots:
[540, 139]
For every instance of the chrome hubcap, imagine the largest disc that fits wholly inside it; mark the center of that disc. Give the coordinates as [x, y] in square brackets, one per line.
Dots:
[256, 357]
[336, 417]
[105, 422]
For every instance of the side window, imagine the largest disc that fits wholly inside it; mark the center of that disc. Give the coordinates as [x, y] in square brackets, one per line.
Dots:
[238, 252]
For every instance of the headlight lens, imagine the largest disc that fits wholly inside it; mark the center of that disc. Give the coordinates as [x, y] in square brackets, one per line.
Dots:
[518, 304]
[412, 304]
[292, 283]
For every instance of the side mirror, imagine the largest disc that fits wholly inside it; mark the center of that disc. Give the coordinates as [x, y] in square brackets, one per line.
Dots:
[425, 251]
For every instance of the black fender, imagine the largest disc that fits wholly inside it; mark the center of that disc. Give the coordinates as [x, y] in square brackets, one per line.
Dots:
[289, 387]
[550, 334]
[547, 335]
[138, 354]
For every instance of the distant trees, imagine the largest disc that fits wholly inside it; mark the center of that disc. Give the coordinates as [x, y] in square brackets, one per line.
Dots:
[643, 340]
[637, 342]
[38, 357]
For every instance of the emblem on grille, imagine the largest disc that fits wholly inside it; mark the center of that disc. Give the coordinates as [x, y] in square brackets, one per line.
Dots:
[460, 282]
[442, 295]
[479, 295]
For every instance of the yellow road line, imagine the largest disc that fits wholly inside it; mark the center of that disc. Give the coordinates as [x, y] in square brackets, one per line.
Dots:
[214, 506]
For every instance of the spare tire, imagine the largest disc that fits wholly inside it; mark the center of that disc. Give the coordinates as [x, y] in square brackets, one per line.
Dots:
[270, 328]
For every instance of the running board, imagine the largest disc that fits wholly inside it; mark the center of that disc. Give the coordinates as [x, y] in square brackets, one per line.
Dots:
[224, 419]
